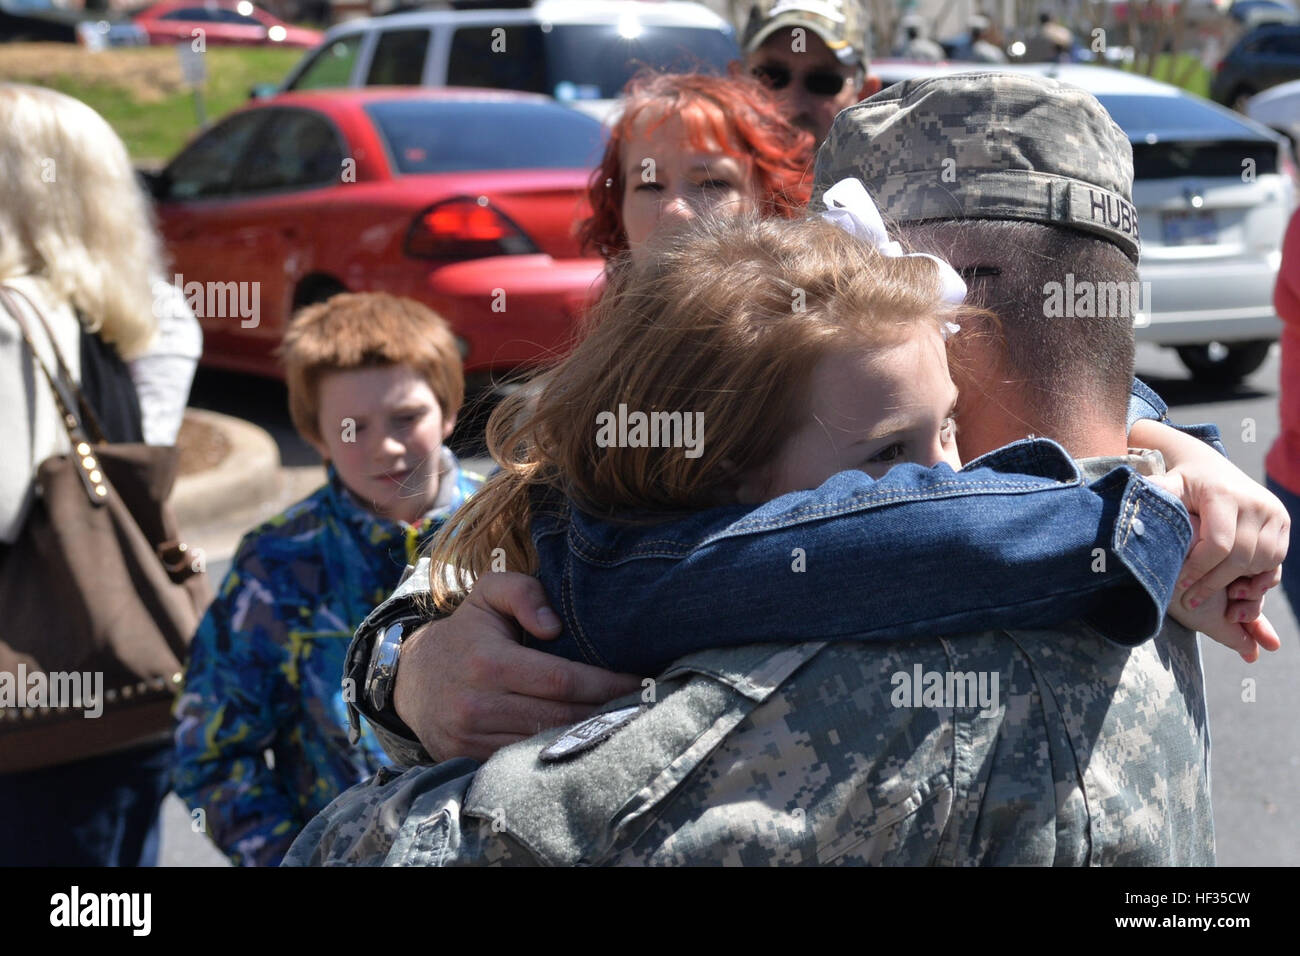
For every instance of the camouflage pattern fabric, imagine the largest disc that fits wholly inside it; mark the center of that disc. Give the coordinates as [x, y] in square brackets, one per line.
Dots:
[266, 665]
[1111, 769]
[987, 146]
[1080, 752]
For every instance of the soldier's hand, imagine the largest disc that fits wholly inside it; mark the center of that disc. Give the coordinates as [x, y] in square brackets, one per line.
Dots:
[467, 688]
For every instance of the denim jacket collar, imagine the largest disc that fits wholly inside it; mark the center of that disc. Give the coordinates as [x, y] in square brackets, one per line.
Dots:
[1031, 456]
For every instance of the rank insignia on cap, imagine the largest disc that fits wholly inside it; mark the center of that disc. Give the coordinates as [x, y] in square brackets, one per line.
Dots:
[589, 733]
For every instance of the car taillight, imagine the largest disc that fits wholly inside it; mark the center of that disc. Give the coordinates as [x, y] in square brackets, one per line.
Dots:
[465, 229]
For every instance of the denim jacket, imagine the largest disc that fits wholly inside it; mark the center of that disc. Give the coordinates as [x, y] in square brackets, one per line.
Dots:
[1042, 547]
[1017, 538]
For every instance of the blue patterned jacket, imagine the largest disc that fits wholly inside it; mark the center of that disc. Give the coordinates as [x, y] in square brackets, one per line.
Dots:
[266, 667]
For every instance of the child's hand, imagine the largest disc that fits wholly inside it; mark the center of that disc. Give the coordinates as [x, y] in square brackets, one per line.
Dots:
[1231, 615]
[1236, 624]
[1243, 529]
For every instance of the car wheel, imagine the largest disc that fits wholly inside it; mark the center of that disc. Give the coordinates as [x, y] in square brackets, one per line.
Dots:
[1217, 364]
[315, 290]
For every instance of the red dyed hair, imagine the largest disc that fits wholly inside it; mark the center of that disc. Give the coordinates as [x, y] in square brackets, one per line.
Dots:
[737, 112]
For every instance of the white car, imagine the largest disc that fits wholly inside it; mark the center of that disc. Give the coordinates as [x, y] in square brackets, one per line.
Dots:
[1214, 192]
[1279, 108]
[581, 52]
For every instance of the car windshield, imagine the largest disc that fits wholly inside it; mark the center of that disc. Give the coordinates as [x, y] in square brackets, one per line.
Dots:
[1142, 116]
[444, 137]
[581, 61]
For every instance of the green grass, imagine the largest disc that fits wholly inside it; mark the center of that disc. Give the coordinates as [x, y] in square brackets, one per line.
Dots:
[154, 127]
[1181, 69]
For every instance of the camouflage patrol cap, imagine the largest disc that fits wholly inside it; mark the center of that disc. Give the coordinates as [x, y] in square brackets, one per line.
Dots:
[987, 145]
[841, 24]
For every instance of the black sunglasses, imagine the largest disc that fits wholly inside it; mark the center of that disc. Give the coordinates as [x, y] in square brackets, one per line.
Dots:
[818, 83]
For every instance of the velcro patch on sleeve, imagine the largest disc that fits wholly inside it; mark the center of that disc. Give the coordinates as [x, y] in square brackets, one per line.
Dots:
[586, 735]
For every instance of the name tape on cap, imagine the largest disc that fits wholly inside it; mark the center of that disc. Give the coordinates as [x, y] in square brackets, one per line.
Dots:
[1102, 209]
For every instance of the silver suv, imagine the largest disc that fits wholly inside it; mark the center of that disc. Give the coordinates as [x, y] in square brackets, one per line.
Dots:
[581, 52]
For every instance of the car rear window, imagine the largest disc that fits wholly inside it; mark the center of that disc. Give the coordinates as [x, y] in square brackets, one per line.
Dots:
[581, 61]
[1285, 42]
[1221, 159]
[444, 137]
[1173, 116]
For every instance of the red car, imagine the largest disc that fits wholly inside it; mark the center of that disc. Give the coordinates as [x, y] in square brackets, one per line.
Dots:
[223, 22]
[466, 200]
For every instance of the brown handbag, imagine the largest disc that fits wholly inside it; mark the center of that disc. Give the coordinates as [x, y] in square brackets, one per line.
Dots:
[97, 590]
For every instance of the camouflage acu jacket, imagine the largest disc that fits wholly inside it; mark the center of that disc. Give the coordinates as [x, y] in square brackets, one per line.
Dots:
[266, 665]
[819, 754]
[1028, 747]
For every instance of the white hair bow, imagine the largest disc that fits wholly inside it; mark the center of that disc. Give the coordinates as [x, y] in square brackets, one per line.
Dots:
[849, 206]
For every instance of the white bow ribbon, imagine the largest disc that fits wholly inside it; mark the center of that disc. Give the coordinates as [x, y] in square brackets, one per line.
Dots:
[849, 206]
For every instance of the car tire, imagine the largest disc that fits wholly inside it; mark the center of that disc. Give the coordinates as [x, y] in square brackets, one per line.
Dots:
[1239, 360]
[316, 290]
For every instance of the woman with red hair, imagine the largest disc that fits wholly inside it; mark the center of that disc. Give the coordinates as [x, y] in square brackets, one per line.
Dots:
[686, 144]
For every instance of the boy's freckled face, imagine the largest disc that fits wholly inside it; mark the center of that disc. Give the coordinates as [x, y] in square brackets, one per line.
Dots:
[870, 408]
[392, 465]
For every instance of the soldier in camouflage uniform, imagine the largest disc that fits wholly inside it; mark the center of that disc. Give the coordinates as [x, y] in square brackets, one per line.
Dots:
[1090, 754]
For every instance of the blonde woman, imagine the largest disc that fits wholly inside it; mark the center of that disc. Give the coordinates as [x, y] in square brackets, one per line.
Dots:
[77, 244]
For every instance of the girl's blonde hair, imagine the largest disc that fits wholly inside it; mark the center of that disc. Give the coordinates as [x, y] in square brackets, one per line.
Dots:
[727, 318]
[74, 214]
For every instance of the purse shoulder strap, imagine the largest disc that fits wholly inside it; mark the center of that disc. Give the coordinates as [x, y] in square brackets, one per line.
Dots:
[66, 396]
[65, 385]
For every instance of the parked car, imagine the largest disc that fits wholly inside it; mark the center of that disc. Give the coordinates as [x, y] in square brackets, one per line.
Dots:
[40, 21]
[1264, 57]
[1214, 192]
[1279, 109]
[466, 200]
[579, 51]
[1253, 13]
[223, 22]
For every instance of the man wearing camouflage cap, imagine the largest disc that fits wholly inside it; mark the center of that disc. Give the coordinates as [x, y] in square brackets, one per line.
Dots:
[991, 170]
[805, 753]
[812, 53]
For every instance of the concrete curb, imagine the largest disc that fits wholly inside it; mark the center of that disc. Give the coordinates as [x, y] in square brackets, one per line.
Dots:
[246, 477]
